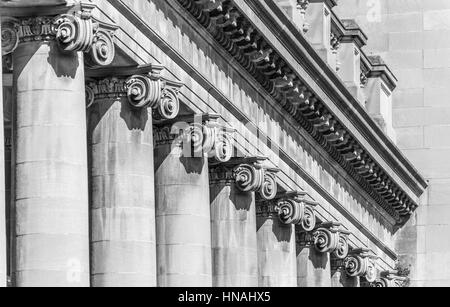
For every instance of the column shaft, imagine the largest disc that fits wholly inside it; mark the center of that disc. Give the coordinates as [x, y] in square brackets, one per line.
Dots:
[233, 221]
[123, 247]
[183, 233]
[3, 261]
[313, 268]
[51, 190]
[276, 253]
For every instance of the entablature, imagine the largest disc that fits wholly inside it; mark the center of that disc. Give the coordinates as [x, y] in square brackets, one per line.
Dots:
[391, 180]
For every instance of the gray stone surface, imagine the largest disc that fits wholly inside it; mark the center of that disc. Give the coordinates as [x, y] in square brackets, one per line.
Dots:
[414, 38]
[233, 231]
[183, 229]
[51, 198]
[3, 252]
[313, 268]
[123, 246]
[277, 266]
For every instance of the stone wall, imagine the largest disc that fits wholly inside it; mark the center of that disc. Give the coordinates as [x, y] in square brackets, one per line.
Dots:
[413, 36]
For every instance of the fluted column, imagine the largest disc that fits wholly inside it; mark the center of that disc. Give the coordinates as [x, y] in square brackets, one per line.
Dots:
[3, 257]
[182, 197]
[120, 136]
[276, 221]
[233, 221]
[51, 190]
[314, 249]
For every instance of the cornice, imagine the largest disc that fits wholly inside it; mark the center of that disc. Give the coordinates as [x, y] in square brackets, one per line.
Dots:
[375, 67]
[237, 34]
[347, 30]
[353, 33]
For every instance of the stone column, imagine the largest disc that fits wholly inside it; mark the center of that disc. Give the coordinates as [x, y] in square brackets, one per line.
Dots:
[313, 267]
[182, 198]
[313, 253]
[233, 221]
[3, 257]
[276, 220]
[51, 190]
[120, 136]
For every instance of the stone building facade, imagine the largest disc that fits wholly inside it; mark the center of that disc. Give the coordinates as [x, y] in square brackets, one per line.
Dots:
[199, 143]
[414, 38]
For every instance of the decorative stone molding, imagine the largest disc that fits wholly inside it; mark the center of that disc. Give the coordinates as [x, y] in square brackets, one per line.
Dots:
[248, 174]
[360, 263]
[327, 237]
[143, 86]
[390, 279]
[237, 34]
[197, 136]
[335, 43]
[75, 31]
[291, 208]
[373, 66]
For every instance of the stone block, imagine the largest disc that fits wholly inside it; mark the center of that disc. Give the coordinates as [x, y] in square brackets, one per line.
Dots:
[410, 137]
[433, 136]
[439, 192]
[408, 98]
[436, 97]
[436, 20]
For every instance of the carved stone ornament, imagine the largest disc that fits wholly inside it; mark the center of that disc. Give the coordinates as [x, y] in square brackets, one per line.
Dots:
[148, 90]
[360, 263]
[291, 208]
[197, 136]
[390, 279]
[75, 31]
[248, 174]
[326, 238]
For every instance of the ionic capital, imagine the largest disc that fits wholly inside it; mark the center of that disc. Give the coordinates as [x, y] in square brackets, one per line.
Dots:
[74, 31]
[360, 263]
[143, 86]
[248, 174]
[197, 136]
[327, 237]
[390, 279]
[291, 208]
